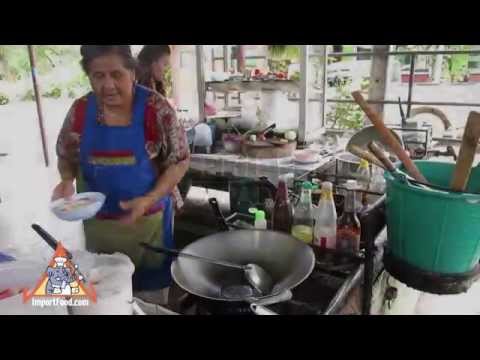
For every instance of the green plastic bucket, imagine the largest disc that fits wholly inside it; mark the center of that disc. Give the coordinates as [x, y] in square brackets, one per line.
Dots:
[436, 231]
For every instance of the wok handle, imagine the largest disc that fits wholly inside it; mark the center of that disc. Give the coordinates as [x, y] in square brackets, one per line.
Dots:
[216, 210]
[261, 310]
[195, 257]
[274, 299]
[49, 239]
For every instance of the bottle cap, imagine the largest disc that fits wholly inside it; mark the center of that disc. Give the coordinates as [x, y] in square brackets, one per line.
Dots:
[363, 164]
[307, 185]
[327, 185]
[259, 214]
[351, 184]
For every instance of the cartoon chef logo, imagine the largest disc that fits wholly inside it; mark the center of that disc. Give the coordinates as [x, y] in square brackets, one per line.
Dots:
[61, 279]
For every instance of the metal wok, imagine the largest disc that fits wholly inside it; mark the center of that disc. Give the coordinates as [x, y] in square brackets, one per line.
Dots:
[286, 259]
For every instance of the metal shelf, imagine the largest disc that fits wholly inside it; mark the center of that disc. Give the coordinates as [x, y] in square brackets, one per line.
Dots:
[253, 85]
[307, 128]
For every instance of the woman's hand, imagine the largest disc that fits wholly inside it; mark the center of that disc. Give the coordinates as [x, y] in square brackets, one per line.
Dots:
[63, 190]
[137, 207]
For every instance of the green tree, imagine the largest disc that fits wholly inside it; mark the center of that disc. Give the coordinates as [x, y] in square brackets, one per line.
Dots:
[345, 116]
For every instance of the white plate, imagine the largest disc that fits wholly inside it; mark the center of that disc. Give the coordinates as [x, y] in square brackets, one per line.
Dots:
[312, 159]
[70, 210]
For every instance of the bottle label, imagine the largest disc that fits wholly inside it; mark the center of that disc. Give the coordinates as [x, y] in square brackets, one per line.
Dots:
[327, 195]
[348, 240]
[325, 242]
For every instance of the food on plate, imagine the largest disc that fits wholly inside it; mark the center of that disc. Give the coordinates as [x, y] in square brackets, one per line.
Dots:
[70, 205]
[306, 156]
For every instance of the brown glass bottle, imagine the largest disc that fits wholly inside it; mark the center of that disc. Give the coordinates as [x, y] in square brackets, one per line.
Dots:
[282, 211]
[348, 225]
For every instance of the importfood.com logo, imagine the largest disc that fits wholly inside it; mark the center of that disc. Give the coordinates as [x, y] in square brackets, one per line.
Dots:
[62, 284]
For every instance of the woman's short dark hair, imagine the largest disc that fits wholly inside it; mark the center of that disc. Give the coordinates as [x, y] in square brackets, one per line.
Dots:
[91, 52]
[151, 53]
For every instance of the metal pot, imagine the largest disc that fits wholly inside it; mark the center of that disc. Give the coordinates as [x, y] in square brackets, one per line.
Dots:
[286, 259]
[346, 164]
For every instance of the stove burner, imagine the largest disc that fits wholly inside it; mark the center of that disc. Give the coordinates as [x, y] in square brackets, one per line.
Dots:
[237, 292]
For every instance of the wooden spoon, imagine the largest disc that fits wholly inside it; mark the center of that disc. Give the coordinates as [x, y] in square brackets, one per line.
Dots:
[363, 154]
[470, 139]
[387, 137]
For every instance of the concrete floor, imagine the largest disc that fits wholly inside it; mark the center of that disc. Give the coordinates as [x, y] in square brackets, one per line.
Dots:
[26, 184]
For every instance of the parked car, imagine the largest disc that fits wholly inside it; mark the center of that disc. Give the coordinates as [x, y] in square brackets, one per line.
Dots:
[420, 75]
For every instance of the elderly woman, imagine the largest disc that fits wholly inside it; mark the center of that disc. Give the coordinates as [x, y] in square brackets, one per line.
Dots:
[124, 141]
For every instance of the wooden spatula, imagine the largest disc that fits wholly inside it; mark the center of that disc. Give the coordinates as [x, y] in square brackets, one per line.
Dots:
[366, 155]
[463, 168]
[387, 137]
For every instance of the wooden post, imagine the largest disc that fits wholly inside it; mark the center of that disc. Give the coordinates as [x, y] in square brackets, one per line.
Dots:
[38, 100]
[226, 68]
[437, 69]
[378, 76]
[304, 94]
[241, 58]
[200, 82]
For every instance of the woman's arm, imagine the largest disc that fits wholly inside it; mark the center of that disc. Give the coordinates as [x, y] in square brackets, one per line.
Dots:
[173, 168]
[67, 151]
[169, 179]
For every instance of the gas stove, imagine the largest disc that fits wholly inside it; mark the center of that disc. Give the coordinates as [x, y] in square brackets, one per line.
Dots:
[329, 286]
[312, 297]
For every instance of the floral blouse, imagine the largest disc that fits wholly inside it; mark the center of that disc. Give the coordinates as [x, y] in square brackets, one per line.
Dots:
[165, 137]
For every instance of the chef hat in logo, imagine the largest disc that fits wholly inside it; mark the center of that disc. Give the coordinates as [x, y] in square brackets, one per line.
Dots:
[61, 256]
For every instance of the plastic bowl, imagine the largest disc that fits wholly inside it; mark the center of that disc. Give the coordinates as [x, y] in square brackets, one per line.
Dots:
[83, 212]
[232, 143]
[306, 156]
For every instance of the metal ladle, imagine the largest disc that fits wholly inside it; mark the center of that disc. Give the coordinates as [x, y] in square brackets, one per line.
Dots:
[257, 277]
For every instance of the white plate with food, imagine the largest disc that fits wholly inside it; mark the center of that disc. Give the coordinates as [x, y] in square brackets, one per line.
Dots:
[81, 206]
[306, 156]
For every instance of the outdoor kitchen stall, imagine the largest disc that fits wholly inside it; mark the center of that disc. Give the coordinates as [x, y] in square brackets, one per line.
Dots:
[320, 182]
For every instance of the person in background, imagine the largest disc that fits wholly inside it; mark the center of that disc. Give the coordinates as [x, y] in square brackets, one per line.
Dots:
[124, 141]
[153, 61]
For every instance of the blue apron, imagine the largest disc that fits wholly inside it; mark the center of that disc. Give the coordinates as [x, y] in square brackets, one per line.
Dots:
[114, 161]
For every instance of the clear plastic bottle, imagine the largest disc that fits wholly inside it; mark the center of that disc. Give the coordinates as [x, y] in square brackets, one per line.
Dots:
[378, 183]
[325, 232]
[363, 179]
[260, 221]
[302, 227]
[363, 175]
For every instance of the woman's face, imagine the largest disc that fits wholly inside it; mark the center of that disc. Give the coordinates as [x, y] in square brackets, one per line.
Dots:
[159, 67]
[111, 81]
